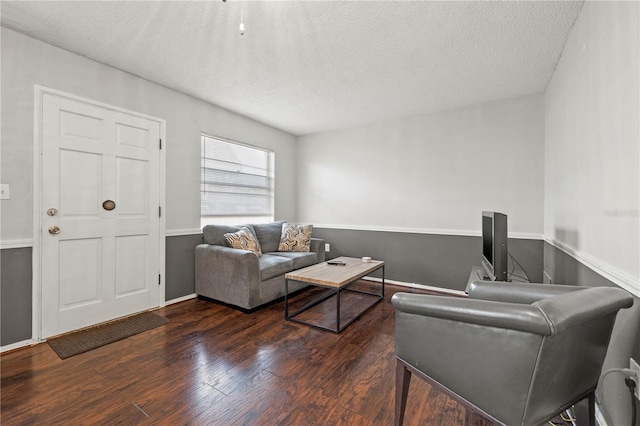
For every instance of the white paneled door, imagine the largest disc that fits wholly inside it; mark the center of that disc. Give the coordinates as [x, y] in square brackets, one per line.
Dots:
[100, 226]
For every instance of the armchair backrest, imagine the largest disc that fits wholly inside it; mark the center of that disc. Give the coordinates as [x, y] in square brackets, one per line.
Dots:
[516, 292]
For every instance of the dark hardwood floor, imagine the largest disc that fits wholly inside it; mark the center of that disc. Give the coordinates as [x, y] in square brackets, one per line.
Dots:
[213, 365]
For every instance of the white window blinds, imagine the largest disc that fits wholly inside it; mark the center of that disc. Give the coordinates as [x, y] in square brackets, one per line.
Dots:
[236, 182]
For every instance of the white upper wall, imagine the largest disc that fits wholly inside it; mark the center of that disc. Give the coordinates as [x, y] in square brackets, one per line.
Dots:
[592, 182]
[26, 61]
[429, 173]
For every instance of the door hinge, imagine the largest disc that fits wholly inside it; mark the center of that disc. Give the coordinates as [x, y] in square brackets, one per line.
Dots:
[159, 279]
[160, 143]
[159, 211]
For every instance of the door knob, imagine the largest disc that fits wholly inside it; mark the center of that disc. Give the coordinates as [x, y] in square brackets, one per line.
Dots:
[54, 230]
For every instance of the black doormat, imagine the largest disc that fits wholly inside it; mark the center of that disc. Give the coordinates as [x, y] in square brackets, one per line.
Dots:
[85, 340]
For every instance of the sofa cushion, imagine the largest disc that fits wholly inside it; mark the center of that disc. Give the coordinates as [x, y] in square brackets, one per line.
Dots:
[214, 234]
[300, 260]
[244, 240]
[272, 266]
[295, 237]
[269, 235]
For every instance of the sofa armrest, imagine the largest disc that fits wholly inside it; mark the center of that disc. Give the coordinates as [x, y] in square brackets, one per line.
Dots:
[479, 312]
[225, 273]
[514, 292]
[317, 246]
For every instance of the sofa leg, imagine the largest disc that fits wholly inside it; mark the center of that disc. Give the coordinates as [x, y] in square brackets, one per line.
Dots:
[403, 379]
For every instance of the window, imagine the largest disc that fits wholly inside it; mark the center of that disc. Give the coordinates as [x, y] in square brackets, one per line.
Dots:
[236, 183]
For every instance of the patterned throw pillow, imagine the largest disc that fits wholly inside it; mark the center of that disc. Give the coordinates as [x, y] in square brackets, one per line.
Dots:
[295, 237]
[244, 240]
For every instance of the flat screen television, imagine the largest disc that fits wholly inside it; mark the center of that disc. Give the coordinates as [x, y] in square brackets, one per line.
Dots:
[494, 245]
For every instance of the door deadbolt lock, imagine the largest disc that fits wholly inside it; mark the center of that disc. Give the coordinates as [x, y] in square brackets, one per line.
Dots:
[52, 212]
[54, 230]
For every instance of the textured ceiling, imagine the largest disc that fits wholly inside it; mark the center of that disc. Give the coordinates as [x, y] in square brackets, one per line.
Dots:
[312, 66]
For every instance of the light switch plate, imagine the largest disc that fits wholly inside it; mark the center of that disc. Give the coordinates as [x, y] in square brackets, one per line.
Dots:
[4, 191]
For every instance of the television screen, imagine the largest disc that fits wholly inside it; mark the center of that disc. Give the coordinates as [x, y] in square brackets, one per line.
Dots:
[494, 245]
[487, 238]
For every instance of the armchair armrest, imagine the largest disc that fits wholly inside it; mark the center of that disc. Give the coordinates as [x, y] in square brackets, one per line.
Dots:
[481, 312]
[514, 292]
[568, 310]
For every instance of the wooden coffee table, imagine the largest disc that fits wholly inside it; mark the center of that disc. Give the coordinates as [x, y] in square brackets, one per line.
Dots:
[337, 278]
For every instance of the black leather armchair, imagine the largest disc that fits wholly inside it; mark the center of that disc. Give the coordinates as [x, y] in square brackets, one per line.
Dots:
[518, 354]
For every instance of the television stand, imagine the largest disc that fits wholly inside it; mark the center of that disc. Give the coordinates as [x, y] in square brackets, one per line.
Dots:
[479, 274]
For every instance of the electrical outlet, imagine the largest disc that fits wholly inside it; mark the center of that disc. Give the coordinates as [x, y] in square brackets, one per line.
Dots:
[633, 366]
[327, 247]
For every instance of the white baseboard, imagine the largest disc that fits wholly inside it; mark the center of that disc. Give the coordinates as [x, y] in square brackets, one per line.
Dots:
[18, 345]
[419, 286]
[181, 299]
[600, 420]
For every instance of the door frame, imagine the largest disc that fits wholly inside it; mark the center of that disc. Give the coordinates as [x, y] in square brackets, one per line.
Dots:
[39, 92]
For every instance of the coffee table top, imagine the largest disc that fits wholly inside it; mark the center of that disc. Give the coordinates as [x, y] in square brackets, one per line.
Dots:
[335, 275]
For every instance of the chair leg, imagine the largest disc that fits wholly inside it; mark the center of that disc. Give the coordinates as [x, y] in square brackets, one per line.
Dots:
[403, 379]
[592, 408]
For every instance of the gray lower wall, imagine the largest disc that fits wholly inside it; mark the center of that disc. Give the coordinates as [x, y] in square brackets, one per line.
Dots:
[16, 284]
[438, 260]
[15, 295]
[429, 259]
[180, 266]
[625, 341]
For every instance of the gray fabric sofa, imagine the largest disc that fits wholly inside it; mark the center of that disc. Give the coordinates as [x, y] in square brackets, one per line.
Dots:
[241, 279]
